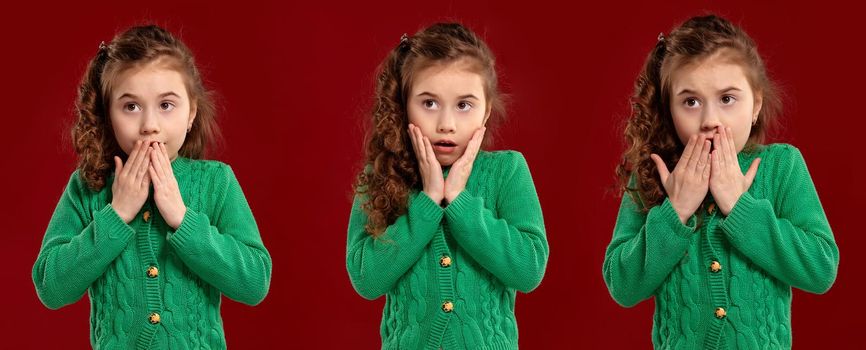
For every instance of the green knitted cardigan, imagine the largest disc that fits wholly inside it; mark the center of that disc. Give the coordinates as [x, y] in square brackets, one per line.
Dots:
[216, 250]
[725, 282]
[493, 234]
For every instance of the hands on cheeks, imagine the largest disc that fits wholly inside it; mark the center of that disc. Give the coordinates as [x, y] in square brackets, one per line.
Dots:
[147, 164]
[435, 185]
[462, 167]
[699, 171]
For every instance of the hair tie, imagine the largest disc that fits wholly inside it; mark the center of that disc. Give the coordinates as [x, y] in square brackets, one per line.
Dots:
[404, 41]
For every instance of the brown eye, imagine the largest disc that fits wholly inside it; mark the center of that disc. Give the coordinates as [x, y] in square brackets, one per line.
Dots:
[131, 107]
[692, 102]
[728, 99]
[464, 106]
[166, 106]
[430, 104]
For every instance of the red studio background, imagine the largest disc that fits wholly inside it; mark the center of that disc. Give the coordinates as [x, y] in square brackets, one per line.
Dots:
[295, 81]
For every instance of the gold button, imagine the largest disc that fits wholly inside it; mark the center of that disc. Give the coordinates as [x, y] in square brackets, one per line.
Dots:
[146, 216]
[445, 261]
[152, 272]
[720, 312]
[153, 318]
[711, 208]
[715, 266]
[447, 306]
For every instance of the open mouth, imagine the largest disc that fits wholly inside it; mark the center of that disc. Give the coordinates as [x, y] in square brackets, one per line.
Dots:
[444, 146]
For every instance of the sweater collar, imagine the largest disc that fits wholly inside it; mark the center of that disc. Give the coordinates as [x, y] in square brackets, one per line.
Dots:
[180, 165]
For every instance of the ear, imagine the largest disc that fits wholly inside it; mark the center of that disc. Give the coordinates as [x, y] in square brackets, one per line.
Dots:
[486, 116]
[193, 111]
[759, 102]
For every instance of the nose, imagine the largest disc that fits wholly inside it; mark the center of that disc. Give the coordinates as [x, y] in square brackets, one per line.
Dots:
[150, 123]
[710, 119]
[446, 124]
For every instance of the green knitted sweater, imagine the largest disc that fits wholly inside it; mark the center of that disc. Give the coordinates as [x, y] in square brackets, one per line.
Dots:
[450, 274]
[134, 272]
[725, 282]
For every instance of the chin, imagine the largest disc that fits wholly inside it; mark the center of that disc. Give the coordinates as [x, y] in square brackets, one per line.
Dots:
[446, 162]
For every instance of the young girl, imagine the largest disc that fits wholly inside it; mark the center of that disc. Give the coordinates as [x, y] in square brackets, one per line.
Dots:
[447, 232]
[154, 263]
[720, 249]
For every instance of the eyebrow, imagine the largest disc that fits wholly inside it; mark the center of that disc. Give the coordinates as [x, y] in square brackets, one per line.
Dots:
[162, 95]
[727, 89]
[461, 97]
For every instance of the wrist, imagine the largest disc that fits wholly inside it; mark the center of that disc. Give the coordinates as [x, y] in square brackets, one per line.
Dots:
[726, 205]
[434, 196]
[175, 224]
[682, 214]
[451, 196]
[123, 215]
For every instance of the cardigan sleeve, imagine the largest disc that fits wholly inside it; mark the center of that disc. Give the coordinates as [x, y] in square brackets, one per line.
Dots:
[645, 248]
[226, 250]
[790, 237]
[78, 246]
[375, 264]
[511, 245]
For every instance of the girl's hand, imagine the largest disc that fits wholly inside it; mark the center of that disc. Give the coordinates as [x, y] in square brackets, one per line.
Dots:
[727, 182]
[688, 184]
[166, 193]
[431, 171]
[462, 168]
[131, 182]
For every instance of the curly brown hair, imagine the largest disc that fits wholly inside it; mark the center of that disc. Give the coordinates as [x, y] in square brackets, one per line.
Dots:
[92, 135]
[391, 167]
[650, 127]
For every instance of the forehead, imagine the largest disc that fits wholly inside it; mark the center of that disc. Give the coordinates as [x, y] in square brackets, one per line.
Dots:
[149, 79]
[713, 73]
[459, 77]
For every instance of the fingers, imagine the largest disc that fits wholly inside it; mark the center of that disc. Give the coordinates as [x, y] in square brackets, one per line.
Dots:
[723, 146]
[731, 144]
[157, 180]
[118, 167]
[695, 156]
[687, 152]
[412, 139]
[145, 181]
[661, 167]
[428, 149]
[715, 164]
[417, 143]
[132, 156]
[157, 164]
[753, 170]
[141, 165]
[164, 160]
[142, 156]
[728, 147]
[703, 159]
[474, 146]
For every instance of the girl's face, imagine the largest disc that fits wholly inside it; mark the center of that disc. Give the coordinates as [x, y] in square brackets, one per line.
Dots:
[151, 103]
[713, 93]
[448, 104]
